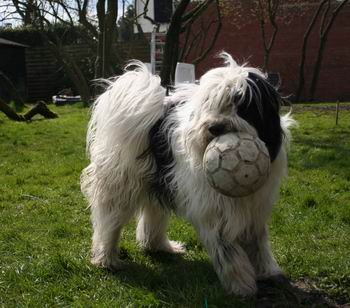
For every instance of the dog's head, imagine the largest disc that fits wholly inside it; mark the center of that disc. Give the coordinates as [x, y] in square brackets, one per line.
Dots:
[230, 99]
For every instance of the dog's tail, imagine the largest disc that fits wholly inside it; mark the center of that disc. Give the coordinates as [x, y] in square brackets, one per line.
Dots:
[121, 119]
[124, 114]
[286, 123]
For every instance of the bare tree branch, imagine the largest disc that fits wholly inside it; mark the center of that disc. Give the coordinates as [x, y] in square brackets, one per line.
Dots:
[304, 48]
[323, 40]
[171, 48]
[215, 36]
[196, 11]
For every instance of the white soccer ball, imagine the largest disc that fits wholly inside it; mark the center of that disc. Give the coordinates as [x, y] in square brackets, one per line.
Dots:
[236, 164]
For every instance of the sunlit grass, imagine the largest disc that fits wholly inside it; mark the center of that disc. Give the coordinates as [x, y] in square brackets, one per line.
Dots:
[45, 229]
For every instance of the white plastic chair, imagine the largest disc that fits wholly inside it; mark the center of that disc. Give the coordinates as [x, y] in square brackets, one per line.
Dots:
[184, 73]
[149, 66]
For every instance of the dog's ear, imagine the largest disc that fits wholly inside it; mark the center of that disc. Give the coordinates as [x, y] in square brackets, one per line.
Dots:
[260, 108]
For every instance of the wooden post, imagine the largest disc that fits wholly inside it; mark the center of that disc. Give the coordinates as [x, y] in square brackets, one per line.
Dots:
[337, 113]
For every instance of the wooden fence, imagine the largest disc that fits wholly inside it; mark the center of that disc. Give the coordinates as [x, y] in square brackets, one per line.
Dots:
[45, 76]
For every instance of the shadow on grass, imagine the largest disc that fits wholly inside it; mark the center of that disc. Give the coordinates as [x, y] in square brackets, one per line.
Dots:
[174, 280]
[282, 293]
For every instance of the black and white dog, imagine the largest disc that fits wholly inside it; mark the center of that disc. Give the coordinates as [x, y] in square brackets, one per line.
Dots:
[146, 153]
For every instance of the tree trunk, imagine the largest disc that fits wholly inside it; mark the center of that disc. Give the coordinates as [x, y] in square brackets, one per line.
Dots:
[317, 67]
[40, 108]
[324, 31]
[7, 84]
[77, 76]
[214, 37]
[171, 48]
[267, 50]
[304, 49]
[272, 8]
[110, 36]
[107, 21]
[71, 68]
[100, 9]
[9, 112]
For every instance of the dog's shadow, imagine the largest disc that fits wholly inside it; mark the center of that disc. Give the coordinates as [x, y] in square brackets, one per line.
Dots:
[170, 276]
[284, 293]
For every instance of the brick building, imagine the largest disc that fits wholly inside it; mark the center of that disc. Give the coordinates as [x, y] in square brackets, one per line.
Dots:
[245, 44]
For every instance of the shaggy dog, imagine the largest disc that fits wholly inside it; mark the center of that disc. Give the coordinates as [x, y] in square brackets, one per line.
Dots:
[146, 151]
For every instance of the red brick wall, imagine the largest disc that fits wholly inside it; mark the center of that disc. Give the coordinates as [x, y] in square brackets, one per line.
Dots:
[245, 44]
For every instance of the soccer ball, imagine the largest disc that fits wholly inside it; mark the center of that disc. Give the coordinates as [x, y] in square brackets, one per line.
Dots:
[236, 164]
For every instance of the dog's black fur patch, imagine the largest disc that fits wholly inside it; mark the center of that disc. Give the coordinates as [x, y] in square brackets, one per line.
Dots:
[260, 108]
[160, 149]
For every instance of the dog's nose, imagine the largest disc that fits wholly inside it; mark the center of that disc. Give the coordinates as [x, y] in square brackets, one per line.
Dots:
[217, 129]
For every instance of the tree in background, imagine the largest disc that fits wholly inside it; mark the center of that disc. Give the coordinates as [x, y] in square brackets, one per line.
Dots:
[272, 13]
[329, 10]
[100, 33]
[188, 20]
[267, 11]
[182, 22]
[126, 24]
[202, 30]
[268, 14]
[97, 31]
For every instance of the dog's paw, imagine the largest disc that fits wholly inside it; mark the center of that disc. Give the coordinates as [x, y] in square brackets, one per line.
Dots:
[111, 263]
[176, 247]
[242, 289]
[169, 247]
[239, 280]
[274, 280]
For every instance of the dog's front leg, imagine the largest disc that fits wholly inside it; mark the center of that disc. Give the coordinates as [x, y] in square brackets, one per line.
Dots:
[231, 263]
[260, 254]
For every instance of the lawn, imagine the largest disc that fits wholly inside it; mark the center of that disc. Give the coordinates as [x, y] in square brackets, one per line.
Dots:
[45, 230]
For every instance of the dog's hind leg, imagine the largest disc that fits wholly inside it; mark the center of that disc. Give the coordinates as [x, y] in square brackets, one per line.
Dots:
[151, 230]
[108, 221]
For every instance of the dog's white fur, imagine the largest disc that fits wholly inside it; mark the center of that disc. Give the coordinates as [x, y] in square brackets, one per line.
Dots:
[233, 230]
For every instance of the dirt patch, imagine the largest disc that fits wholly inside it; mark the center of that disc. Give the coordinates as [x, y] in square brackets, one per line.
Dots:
[303, 293]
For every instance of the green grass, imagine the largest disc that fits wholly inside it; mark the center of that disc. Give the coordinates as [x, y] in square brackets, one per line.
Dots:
[311, 226]
[45, 229]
